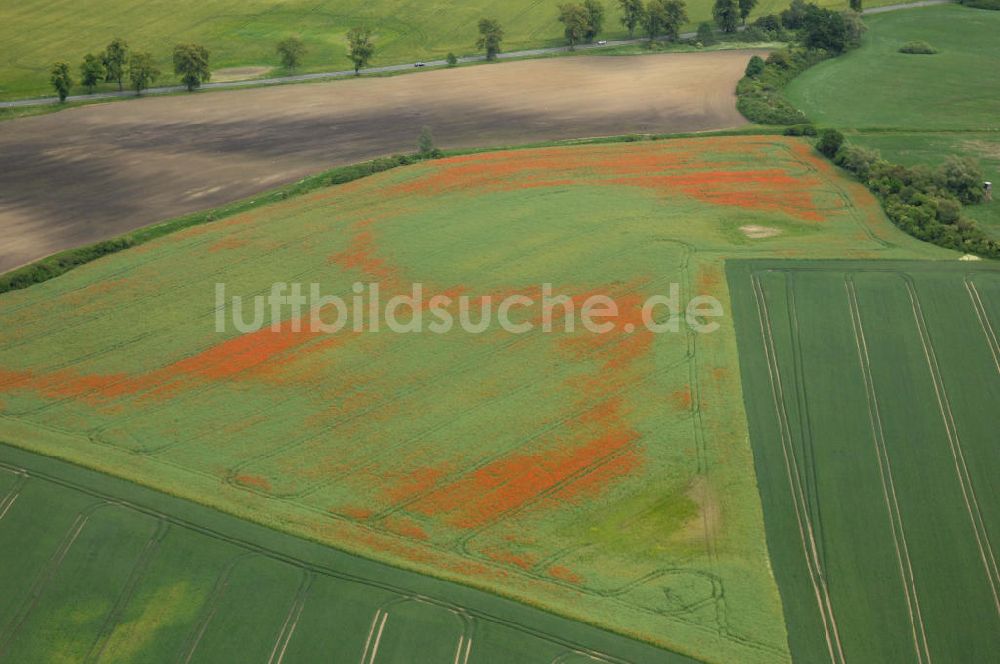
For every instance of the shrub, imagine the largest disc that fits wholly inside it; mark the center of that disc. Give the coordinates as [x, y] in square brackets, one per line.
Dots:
[982, 4]
[854, 27]
[858, 160]
[754, 35]
[800, 130]
[830, 142]
[962, 177]
[706, 35]
[917, 48]
[793, 18]
[948, 211]
[755, 67]
[824, 29]
[452, 60]
[769, 22]
[778, 59]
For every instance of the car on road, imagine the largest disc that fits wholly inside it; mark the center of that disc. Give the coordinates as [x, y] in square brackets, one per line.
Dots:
[603, 42]
[420, 64]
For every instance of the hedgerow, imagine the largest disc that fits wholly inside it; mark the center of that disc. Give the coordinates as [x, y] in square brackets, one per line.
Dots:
[925, 203]
[759, 98]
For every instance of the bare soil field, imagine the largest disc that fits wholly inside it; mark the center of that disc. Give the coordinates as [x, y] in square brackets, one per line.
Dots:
[86, 174]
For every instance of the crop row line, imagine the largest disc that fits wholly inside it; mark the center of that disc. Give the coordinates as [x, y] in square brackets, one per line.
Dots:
[955, 444]
[44, 577]
[292, 619]
[250, 549]
[888, 485]
[799, 500]
[984, 321]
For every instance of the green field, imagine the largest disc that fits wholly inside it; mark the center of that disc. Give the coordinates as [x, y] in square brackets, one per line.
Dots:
[99, 570]
[917, 109]
[871, 391]
[604, 477]
[35, 33]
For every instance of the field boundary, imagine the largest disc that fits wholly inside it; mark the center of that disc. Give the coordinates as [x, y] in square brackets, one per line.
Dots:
[888, 485]
[463, 600]
[57, 264]
[800, 502]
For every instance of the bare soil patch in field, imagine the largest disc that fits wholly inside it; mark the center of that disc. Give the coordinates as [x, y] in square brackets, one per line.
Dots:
[238, 73]
[90, 173]
[755, 232]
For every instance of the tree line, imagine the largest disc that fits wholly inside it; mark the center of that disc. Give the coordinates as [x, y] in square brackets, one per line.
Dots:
[118, 63]
[582, 22]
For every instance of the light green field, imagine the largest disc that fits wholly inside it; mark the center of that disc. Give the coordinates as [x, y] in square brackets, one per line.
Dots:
[99, 570]
[928, 107]
[877, 87]
[871, 389]
[604, 477]
[34, 34]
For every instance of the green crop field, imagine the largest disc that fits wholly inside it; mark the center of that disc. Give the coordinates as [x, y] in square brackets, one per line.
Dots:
[99, 570]
[604, 477]
[35, 33]
[871, 390]
[917, 109]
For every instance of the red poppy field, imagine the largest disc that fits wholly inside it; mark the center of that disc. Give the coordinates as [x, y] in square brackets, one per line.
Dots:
[606, 477]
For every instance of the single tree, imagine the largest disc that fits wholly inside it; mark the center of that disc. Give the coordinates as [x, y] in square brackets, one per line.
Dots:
[61, 80]
[706, 35]
[824, 29]
[830, 141]
[91, 72]
[632, 12]
[426, 142]
[575, 23]
[115, 59]
[794, 17]
[290, 50]
[755, 67]
[652, 19]
[675, 12]
[490, 37]
[595, 18]
[142, 71]
[727, 15]
[191, 64]
[664, 17]
[452, 60]
[856, 6]
[746, 6]
[361, 48]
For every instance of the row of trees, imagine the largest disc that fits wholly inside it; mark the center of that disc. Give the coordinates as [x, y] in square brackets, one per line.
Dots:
[656, 18]
[730, 14]
[582, 22]
[118, 63]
